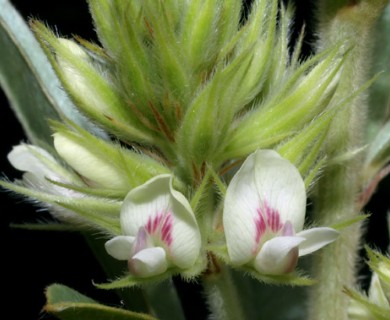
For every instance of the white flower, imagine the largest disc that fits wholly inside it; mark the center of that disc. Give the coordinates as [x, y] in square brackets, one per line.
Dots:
[160, 230]
[264, 212]
[39, 167]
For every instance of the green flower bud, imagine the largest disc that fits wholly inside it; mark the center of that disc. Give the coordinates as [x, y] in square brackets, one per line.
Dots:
[103, 164]
[91, 87]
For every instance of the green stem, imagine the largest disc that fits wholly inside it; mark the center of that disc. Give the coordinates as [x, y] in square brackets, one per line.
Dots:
[164, 301]
[335, 266]
[221, 293]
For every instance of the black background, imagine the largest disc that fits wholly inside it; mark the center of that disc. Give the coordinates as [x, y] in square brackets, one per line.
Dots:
[31, 260]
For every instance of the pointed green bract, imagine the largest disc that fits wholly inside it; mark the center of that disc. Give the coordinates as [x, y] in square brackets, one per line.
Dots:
[100, 213]
[131, 281]
[287, 111]
[232, 86]
[200, 88]
[294, 279]
[376, 303]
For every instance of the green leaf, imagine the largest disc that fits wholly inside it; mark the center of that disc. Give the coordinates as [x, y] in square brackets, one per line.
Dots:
[21, 55]
[57, 293]
[35, 94]
[68, 304]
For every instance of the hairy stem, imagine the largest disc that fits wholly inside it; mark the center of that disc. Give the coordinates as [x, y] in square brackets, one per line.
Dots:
[221, 294]
[351, 23]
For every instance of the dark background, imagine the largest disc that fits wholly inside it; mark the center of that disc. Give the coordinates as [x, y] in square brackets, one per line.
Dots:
[31, 260]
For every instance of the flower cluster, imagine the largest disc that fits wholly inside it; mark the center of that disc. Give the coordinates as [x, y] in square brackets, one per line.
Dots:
[263, 217]
[175, 99]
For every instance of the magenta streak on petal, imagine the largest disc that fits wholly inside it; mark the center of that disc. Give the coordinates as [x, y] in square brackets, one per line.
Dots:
[260, 226]
[153, 223]
[267, 218]
[166, 230]
[273, 218]
[161, 226]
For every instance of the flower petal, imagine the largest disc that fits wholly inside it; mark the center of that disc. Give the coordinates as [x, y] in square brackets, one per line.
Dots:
[30, 158]
[22, 158]
[280, 186]
[39, 166]
[315, 239]
[143, 202]
[120, 247]
[278, 255]
[265, 180]
[141, 241]
[146, 205]
[239, 214]
[186, 237]
[149, 262]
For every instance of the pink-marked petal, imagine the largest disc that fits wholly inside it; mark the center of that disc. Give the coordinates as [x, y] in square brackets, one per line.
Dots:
[120, 247]
[148, 262]
[268, 219]
[240, 214]
[159, 208]
[265, 182]
[315, 239]
[278, 255]
[280, 187]
[166, 229]
[143, 204]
